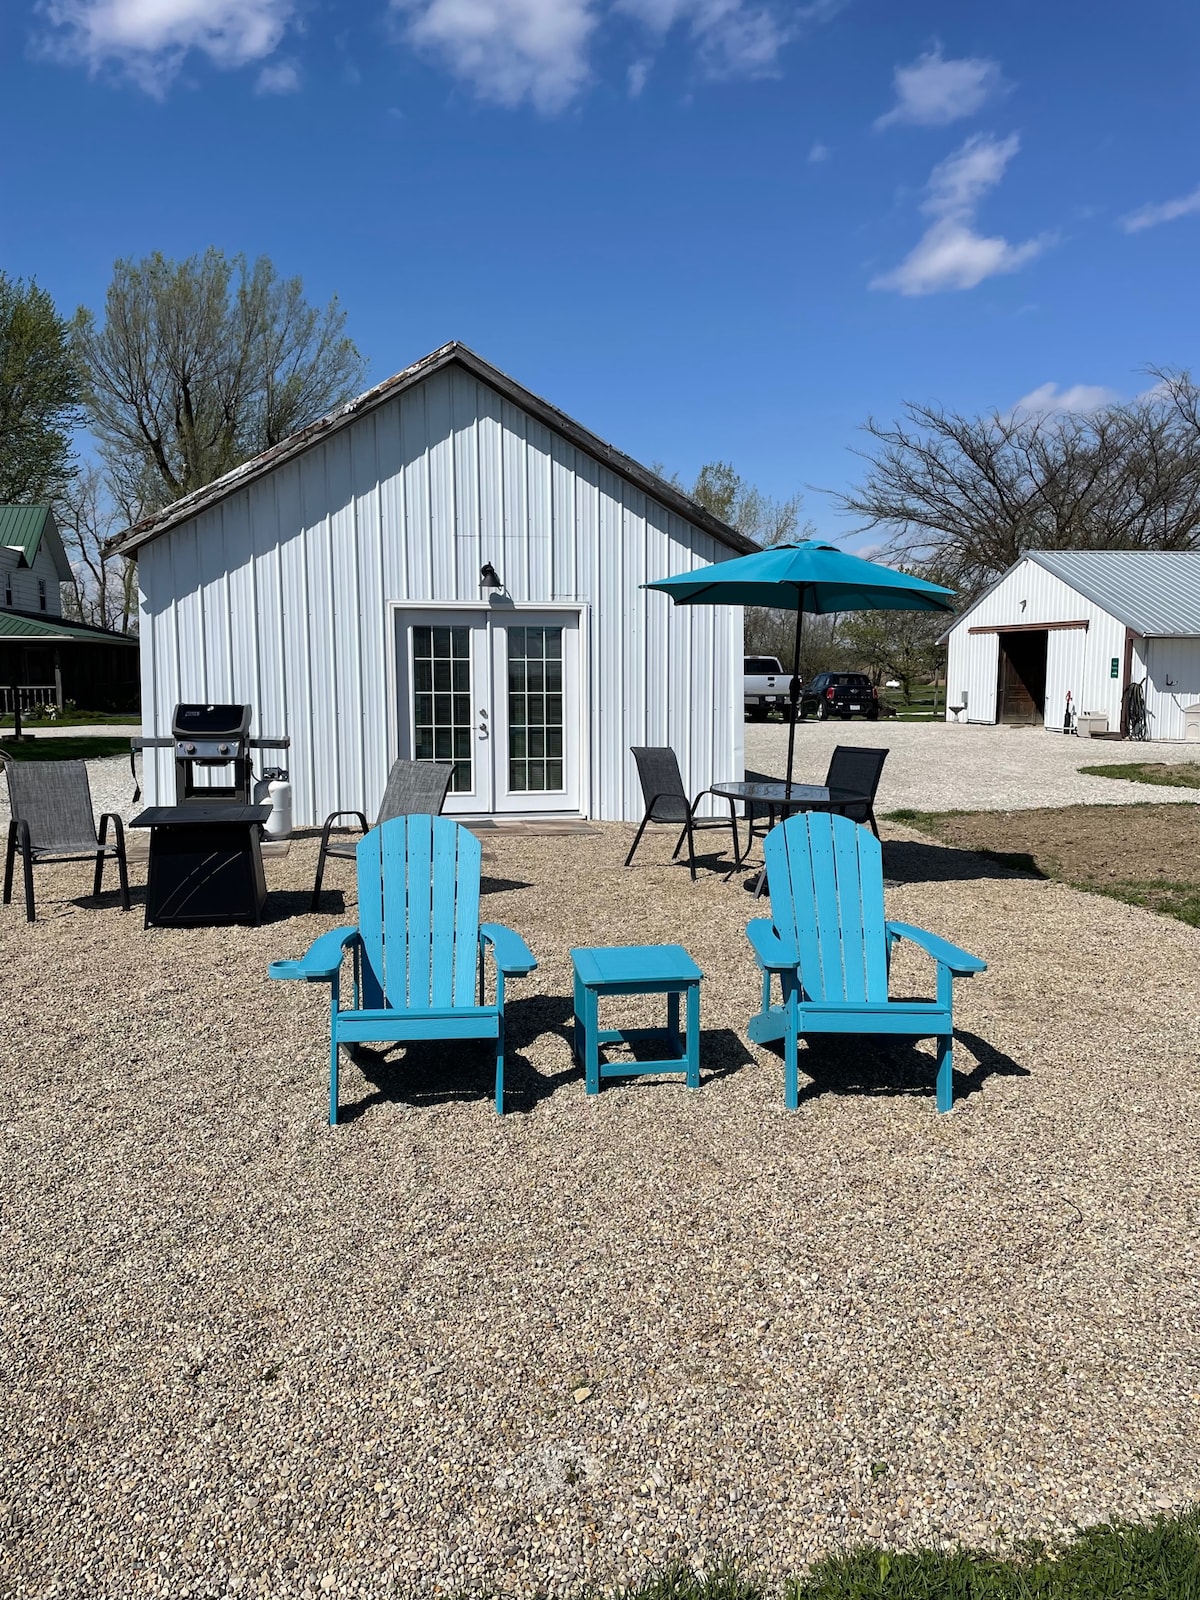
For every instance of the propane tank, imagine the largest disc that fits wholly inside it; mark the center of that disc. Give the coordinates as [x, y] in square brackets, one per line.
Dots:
[273, 789]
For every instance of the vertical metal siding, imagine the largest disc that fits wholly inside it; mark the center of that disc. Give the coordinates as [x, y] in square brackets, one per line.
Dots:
[1172, 670]
[280, 595]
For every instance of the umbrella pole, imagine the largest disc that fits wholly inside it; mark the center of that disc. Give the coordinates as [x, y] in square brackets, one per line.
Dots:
[794, 693]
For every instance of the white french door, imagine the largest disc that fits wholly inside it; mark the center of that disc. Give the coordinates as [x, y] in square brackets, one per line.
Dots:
[497, 692]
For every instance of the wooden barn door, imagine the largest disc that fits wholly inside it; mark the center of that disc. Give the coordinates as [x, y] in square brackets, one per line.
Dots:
[1021, 691]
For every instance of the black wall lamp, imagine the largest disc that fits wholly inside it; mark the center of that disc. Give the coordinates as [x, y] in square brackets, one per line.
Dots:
[489, 578]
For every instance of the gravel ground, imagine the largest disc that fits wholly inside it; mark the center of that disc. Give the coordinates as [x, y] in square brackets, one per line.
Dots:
[934, 766]
[433, 1350]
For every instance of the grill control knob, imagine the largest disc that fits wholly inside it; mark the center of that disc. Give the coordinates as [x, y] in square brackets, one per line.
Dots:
[224, 749]
[191, 749]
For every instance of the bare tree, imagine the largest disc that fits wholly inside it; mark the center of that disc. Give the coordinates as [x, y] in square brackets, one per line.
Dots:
[201, 364]
[969, 494]
[103, 588]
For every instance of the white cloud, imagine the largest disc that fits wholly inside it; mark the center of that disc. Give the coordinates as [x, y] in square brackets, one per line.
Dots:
[933, 91]
[508, 50]
[733, 38]
[818, 153]
[639, 71]
[957, 184]
[1166, 211]
[148, 39]
[282, 77]
[951, 254]
[1079, 397]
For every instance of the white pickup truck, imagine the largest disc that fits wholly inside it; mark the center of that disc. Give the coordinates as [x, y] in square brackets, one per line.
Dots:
[765, 687]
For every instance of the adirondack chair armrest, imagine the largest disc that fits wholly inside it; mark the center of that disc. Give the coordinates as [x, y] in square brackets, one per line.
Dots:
[513, 956]
[769, 949]
[321, 961]
[960, 962]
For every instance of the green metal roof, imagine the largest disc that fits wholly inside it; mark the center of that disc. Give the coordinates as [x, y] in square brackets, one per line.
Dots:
[16, 625]
[26, 528]
[21, 528]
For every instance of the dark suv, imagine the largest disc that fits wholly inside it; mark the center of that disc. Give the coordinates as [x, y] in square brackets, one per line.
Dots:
[840, 694]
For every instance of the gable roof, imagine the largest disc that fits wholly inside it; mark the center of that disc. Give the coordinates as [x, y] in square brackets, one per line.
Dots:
[1154, 592]
[453, 354]
[26, 528]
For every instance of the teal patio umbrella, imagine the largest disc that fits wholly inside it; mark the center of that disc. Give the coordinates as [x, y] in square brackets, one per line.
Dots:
[801, 577]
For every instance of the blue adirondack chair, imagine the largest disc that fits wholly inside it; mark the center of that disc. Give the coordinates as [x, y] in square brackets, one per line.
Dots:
[418, 948]
[831, 948]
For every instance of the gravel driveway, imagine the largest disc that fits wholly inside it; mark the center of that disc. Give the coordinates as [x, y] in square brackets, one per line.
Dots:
[935, 766]
[433, 1350]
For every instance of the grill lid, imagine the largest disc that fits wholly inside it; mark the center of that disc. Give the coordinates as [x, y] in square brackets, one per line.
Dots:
[208, 722]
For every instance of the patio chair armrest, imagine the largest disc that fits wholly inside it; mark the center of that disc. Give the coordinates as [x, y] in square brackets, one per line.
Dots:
[769, 949]
[321, 961]
[513, 956]
[960, 962]
[334, 815]
[118, 829]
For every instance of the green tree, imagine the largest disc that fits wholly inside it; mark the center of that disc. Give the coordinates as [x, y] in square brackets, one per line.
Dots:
[201, 364]
[39, 394]
[719, 488]
[724, 492]
[895, 644]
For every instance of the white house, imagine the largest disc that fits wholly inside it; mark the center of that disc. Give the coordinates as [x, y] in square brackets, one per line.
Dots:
[1090, 622]
[446, 567]
[44, 657]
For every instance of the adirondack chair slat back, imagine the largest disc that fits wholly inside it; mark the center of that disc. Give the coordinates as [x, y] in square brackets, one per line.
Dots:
[826, 880]
[418, 913]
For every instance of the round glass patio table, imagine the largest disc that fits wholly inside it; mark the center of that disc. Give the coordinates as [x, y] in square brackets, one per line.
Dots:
[780, 798]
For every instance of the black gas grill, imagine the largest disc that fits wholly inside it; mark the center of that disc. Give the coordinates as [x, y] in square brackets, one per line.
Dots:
[206, 738]
[205, 858]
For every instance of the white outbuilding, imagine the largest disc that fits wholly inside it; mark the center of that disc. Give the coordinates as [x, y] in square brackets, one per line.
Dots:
[1088, 623]
[446, 567]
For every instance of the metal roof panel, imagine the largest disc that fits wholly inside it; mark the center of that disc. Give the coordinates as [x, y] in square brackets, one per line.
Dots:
[1154, 592]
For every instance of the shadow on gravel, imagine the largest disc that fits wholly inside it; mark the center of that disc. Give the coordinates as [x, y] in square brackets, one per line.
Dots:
[913, 861]
[882, 1067]
[426, 1074]
[422, 1074]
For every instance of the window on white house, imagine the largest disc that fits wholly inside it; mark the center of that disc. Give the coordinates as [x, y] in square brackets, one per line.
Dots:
[41, 594]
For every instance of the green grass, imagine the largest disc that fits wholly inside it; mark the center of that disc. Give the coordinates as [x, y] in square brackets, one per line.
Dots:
[1159, 1560]
[1182, 775]
[68, 749]
[73, 719]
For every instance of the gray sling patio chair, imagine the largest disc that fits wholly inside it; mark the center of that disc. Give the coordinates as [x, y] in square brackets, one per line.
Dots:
[667, 801]
[51, 819]
[857, 767]
[414, 789]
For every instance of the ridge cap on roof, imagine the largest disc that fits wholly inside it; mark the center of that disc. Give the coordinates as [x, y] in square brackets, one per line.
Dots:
[162, 521]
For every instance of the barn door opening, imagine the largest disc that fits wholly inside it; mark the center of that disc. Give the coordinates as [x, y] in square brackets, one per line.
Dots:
[498, 694]
[1021, 692]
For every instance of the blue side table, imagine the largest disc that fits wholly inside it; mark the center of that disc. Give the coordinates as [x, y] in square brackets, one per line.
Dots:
[636, 969]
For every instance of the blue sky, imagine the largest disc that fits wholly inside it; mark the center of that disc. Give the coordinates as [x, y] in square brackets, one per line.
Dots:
[705, 228]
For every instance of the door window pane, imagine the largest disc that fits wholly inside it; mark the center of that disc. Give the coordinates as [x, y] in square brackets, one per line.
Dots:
[534, 717]
[442, 719]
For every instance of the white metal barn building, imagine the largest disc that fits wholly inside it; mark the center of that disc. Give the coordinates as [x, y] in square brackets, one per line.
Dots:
[1086, 621]
[345, 585]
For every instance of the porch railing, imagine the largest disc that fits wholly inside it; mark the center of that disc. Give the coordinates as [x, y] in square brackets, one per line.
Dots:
[29, 695]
